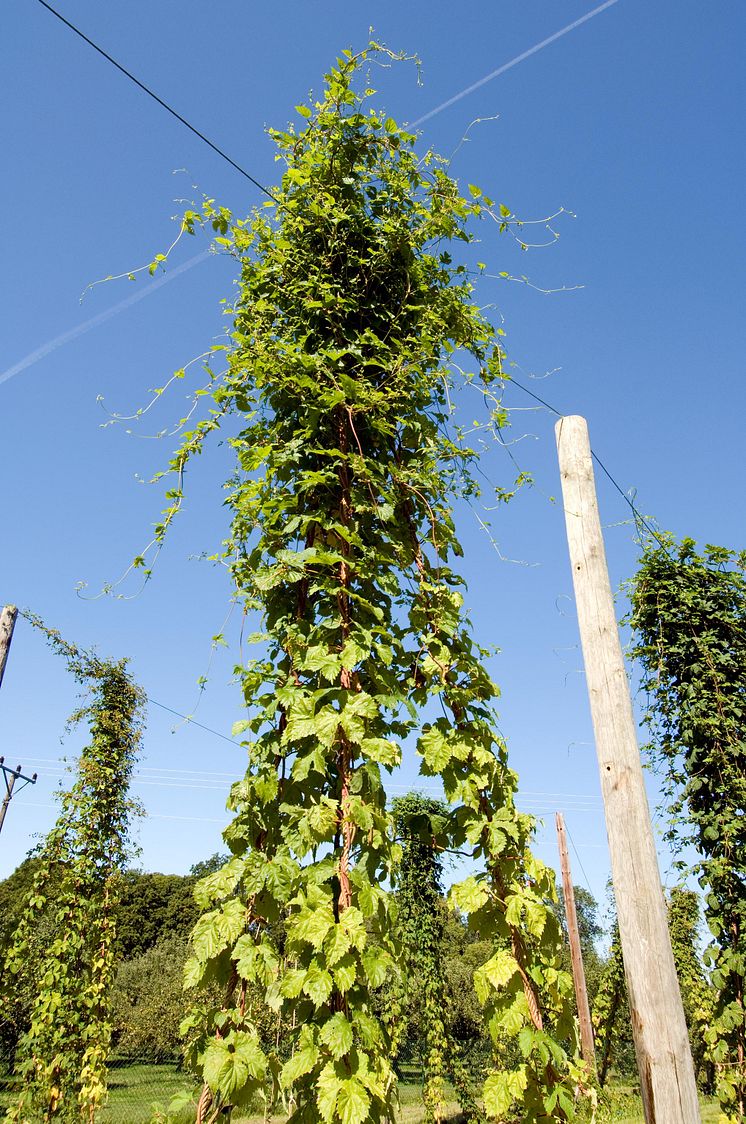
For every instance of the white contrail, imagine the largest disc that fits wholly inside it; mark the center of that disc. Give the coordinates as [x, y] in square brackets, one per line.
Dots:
[101, 318]
[513, 62]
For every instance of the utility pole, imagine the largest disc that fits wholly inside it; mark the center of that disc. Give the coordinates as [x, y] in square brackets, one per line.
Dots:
[576, 956]
[10, 776]
[664, 1060]
[7, 624]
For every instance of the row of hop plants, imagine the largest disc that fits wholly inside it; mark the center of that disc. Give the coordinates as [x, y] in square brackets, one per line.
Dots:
[688, 616]
[60, 962]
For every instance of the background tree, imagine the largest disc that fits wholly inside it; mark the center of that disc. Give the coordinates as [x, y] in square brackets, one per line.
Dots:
[148, 1001]
[610, 1016]
[150, 906]
[209, 865]
[14, 893]
[586, 907]
[463, 952]
[688, 618]
[153, 916]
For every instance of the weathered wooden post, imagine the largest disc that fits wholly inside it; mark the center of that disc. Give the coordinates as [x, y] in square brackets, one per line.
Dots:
[7, 624]
[576, 956]
[664, 1061]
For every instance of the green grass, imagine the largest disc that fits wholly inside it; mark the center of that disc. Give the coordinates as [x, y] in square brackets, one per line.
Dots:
[622, 1105]
[134, 1089]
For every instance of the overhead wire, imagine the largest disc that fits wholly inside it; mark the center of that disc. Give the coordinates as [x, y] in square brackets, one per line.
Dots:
[580, 861]
[192, 721]
[149, 815]
[155, 97]
[220, 782]
[420, 120]
[640, 519]
[213, 819]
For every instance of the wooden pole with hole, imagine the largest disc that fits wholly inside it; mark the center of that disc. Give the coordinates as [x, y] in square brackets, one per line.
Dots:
[664, 1060]
[576, 956]
[7, 624]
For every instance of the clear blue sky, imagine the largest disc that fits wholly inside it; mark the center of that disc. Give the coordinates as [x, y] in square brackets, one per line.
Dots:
[630, 121]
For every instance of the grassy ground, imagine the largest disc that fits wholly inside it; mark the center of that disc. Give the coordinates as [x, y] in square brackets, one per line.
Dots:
[625, 1107]
[134, 1089]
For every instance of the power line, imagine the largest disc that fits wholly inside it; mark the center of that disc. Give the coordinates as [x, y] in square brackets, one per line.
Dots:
[186, 717]
[640, 519]
[580, 801]
[154, 96]
[420, 120]
[192, 778]
[147, 816]
[580, 861]
[469, 89]
[548, 405]
[457, 97]
[45, 762]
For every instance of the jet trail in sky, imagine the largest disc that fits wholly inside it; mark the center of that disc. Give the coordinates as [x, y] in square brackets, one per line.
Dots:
[513, 62]
[101, 318]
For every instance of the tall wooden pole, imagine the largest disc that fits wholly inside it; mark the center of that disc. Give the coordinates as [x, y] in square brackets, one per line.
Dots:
[576, 956]
[10, 776]
[7, 624]
[664, 1060]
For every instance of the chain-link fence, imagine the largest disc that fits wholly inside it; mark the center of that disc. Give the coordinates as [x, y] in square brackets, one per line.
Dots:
[141, 1089]
[138, 1089]
[7, 1083]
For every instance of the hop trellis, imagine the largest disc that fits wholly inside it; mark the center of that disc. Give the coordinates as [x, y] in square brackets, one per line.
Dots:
[339, 372]
[63, 951]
